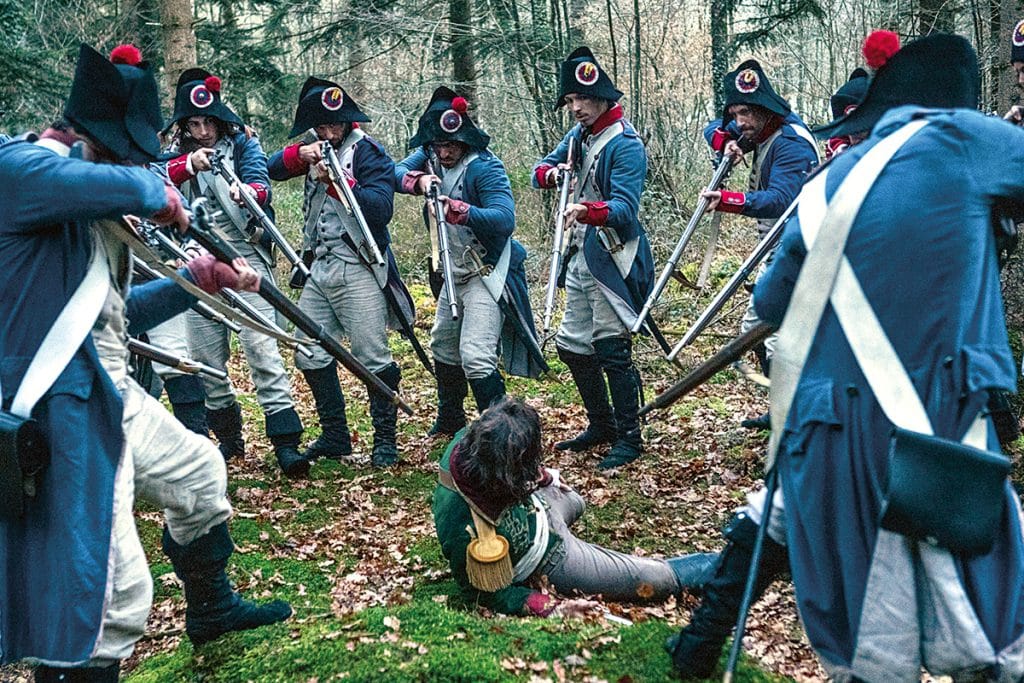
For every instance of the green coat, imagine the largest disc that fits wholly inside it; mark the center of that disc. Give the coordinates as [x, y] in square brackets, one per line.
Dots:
[452, 519]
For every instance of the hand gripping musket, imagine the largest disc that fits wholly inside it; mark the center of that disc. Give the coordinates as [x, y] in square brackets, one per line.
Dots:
[763, 248]
[709, 368]
[348, 200]
[721, 172]
[443, 246]
[158, 355]
[368, 252]
[142, 268]
[559, 241]
[222, 168]
[203, 233]
[234, 298]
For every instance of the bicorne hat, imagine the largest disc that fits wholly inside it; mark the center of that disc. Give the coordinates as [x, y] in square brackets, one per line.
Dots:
[939, 71]
[198, 94]
[748, 85]
[447, 119]
[849, 94]
[1017, 42]
[115, 102]
[582, 75]
[322, 102]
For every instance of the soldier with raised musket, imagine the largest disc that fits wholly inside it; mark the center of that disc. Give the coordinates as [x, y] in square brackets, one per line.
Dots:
[209, 132]
[354, 285]
[784, 152]
[610, 269]
[482, 306]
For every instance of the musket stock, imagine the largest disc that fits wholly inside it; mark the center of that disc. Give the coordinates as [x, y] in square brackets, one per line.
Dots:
[223, 168]
[721, 172]
[224, 251]
[706, 370]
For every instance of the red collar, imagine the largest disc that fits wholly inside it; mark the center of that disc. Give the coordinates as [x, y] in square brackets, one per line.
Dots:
[606, 119]
[773, 124]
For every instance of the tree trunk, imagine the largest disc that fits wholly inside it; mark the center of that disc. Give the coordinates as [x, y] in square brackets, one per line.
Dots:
[460, 22]
[935, 16]
[721, 54]
[356, 75]
[577, 10]
[179, 40]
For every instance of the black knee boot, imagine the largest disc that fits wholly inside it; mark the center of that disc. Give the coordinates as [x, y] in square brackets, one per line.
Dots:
[697, 648]
[616, 358]
[212, 607]
[384, 415]
[586, 373]
[226, 424]
[188, 401]
[334, 441]
[487, 390]
[451, 396]
[284, 429]
[78, 674]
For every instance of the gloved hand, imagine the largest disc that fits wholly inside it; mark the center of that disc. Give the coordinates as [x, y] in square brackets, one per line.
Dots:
[211, 276]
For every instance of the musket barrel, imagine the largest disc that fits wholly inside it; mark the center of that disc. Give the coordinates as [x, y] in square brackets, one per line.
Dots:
[703, 372]
[161, 356]
[670, 267]
[762, 249]
[557, 252]
[434, 195]
[348, 198]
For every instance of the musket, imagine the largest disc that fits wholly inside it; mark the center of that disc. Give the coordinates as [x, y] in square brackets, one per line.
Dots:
[348, 200]
[558, 240]
[202, 231]
[763, 248]
[158, 355]
[221, 167]
[721, 172]
[232, 297]
[199, 307]
[706, 370]
[368, 252]
[444, 247]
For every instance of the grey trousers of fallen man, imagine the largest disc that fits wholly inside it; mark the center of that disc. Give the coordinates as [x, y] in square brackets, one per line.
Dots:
[591, 569]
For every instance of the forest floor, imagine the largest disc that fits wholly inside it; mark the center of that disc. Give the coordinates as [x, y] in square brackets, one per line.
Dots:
[353, 549]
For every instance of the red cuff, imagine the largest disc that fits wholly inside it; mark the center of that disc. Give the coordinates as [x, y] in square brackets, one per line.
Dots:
[261, 193]
[409, 181]
[836, 145]
[541, 174]
[292, 162]
[719, 138]
[177, 170]
[597, 213]
[540, 604]
[732, 202]
[457, 212]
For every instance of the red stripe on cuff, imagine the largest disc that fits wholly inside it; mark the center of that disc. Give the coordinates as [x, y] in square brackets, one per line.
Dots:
[292, 161]
[177, 170]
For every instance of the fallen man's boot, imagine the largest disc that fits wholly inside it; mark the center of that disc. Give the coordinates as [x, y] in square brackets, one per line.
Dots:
[694, 570]
[212, 607]
[761, 422]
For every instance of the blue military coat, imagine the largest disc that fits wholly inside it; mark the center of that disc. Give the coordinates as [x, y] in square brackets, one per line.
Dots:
[54, 572]
[922, 248]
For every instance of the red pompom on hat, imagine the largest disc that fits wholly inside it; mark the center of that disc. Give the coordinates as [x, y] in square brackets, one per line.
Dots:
[126, 54]
[879, 47]
[212, 83]
[460, 105]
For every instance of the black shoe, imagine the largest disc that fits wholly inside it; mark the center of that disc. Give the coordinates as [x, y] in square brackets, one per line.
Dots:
[188, 401]
[335, 441]
[761, 422]
[697, 648]
[226, 424]
[586, 373]
[384, 415]
[212, 607]
[487, 390]
[694, 570]
[451, 396]
[616, 358]
[284, 429]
